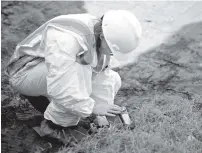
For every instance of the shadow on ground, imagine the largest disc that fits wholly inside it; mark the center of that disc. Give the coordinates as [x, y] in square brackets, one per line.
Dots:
[174, 67]
[162, 91]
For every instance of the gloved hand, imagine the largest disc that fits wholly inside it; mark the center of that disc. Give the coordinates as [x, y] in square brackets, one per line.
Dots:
[106, 109]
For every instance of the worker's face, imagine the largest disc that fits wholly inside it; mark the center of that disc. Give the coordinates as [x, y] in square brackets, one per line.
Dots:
[104, 48]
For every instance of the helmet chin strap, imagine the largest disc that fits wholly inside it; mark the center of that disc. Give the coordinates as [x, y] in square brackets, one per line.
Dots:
[102, 63]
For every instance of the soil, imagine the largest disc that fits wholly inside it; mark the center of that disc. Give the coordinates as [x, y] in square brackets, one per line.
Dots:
[169, 75]
[19, 19]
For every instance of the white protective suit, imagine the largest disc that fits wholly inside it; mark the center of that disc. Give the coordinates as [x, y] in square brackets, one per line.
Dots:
[45, 64]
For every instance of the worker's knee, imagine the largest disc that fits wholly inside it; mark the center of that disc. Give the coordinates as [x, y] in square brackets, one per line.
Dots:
[32, 82]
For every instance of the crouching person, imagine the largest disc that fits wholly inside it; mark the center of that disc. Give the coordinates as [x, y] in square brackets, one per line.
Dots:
[62, 68]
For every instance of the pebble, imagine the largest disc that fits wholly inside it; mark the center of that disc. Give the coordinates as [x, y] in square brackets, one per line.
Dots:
[4, 97]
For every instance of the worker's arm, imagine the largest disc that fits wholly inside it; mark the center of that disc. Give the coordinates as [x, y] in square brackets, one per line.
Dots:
[68, 83]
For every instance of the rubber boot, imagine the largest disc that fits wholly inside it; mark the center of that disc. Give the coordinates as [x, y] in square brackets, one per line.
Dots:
[68, 135]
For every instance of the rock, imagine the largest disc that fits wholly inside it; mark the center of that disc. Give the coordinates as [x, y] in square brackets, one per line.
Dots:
[45, 149]
[148, 20]
[4, 97]
[14, 103]
[197, 135]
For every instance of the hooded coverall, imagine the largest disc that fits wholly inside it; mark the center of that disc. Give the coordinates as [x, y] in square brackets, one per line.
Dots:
[45, 64]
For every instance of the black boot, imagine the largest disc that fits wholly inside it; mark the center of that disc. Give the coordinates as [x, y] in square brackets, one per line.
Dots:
[68, 135]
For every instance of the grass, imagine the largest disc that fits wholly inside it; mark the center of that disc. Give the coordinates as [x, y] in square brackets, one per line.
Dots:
[163, 124]
[162, 91]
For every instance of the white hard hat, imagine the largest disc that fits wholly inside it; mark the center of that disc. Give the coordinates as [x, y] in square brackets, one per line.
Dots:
[122, 32]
